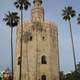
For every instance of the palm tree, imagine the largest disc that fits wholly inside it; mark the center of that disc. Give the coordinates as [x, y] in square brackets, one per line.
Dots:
[78, 19]
[69, 13]
[21, 5]
[11, 20]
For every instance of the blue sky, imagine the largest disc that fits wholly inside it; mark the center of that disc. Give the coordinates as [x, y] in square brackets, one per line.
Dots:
[53, 13]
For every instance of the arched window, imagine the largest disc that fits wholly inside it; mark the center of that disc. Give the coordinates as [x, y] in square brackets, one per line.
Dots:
[43, 77]
[43, 60]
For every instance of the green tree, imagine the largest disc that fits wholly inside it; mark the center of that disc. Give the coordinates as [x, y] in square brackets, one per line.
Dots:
[62, 75]
[69, 13]
[78, 67]
[77, 72]
[21, 5]
[11, 20]
[75, 75]
[0, 78]
[69, 76]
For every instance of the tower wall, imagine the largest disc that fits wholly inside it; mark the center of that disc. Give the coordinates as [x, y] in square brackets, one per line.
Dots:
[43, 43]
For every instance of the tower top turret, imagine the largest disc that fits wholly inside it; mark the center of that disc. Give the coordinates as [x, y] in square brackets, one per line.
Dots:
[37, 2]
[37, 11]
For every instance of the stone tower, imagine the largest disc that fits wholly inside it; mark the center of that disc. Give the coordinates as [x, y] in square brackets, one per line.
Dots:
[40, 48]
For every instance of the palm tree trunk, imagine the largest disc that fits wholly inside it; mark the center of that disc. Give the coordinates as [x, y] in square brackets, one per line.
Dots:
[20, 74]
[27, 60]
[74, 57]
[12, 51]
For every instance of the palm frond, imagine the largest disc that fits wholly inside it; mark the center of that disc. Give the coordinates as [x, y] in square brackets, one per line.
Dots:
[26, 7]
[28, 3]
[78, 19]
[15, 3]
[73, 13]
[5, 19]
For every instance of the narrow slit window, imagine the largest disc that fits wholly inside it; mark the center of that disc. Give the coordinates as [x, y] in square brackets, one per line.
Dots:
[30, 38]
[19, 60]
[43, 37]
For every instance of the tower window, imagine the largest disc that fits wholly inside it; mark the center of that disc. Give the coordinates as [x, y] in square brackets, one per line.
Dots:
[30, 38]
[43, 37]
[19, 60]
[43, 77]
[43, 60]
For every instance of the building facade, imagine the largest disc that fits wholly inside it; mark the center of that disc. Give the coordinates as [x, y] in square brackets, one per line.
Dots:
[40, 48]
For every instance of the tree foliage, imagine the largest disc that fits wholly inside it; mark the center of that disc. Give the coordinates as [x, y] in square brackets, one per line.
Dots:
[75, 75]
[0, 78]
[68, 13]
[22, 4]
[11, 19]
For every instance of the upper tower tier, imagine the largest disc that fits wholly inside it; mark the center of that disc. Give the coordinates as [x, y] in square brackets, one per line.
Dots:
[37, 11]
